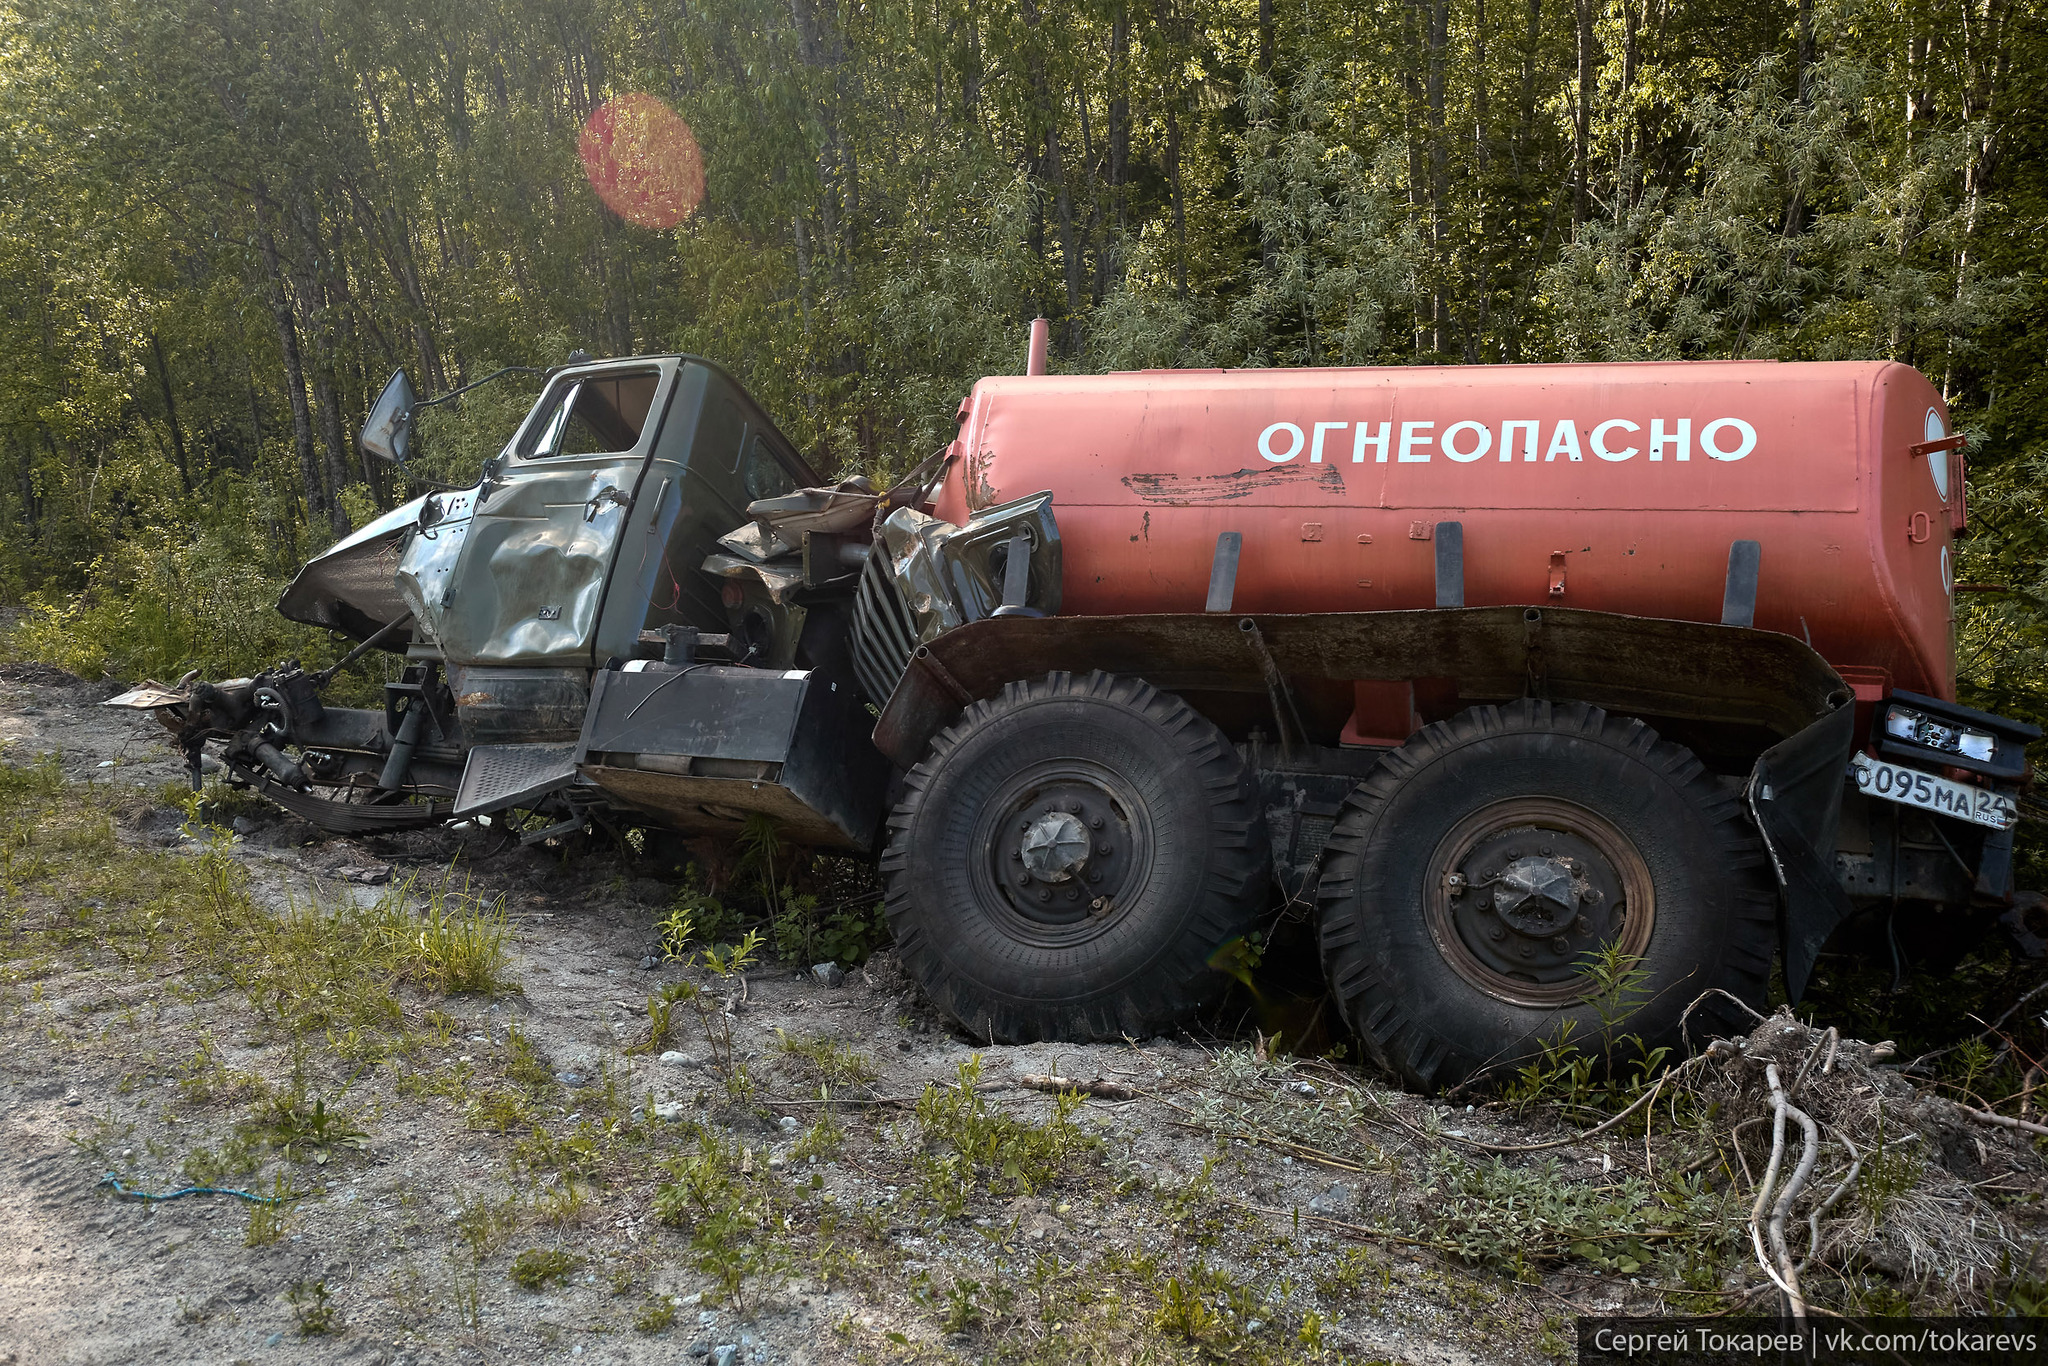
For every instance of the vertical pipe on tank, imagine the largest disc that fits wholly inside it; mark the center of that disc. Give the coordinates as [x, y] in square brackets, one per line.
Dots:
[1041, 333]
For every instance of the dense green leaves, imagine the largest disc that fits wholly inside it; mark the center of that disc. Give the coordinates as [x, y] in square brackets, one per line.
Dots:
[224, 222]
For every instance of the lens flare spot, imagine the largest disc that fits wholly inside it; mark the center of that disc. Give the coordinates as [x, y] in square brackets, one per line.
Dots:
[643, 161]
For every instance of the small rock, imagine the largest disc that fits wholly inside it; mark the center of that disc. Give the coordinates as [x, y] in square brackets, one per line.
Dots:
[572, 1079]
[670, 1110]
[790, 1124]
[725, 1355]
[71, 1098]
[828, 974]
[1335, 1200]
[105, 763]
[700, 1349]
[650, 962]
[242, 825]
[675, 1059]
[904, 1045]
[273, 1339]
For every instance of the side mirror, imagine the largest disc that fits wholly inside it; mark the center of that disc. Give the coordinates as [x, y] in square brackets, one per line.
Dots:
[387, 432]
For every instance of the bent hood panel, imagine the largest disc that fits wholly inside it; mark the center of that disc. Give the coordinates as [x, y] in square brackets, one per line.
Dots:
[352, 586]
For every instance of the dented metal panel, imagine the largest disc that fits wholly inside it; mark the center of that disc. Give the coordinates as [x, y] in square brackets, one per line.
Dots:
[531, 569]
[433, 546]
[351, 587]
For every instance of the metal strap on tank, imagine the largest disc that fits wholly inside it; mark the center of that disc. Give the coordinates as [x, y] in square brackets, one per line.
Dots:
[1223, 571]
[1738, 599]
[1450, 564]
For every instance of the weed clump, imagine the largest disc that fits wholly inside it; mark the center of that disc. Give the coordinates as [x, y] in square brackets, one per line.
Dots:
[535, 1269]
[300, 1126]
[967, 1145]
[731, 1213]
[313, 1308]
[835, 1063]
[656, 1315]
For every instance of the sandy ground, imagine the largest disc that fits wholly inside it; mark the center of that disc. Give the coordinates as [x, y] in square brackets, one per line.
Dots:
[413, 1235]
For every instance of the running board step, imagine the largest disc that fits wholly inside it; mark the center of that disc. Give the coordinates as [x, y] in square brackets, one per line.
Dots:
[498, 776]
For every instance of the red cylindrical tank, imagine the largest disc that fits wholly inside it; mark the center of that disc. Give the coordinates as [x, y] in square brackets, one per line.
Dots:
[1612, 487]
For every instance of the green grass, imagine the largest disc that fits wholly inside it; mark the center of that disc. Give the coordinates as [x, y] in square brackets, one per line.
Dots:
[833, 1062]
[968, 1146]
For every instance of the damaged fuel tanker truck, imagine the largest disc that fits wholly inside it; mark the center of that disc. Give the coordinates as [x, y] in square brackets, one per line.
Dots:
[1492, 670]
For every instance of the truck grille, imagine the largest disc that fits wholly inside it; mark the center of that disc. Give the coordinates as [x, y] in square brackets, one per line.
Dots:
[883, 632]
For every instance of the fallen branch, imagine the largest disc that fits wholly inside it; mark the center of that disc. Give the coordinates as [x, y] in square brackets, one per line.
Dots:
[1684, 1019]
[1833, 1040]
[1644, 1100]
[1301, 1150]
[1786, 1277]
[1098, 1088]
[1813, 1219]
[2006, 1121]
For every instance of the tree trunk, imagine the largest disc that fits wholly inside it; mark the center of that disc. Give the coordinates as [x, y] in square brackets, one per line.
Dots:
[318, 503]
[1180, 210]
[163, 380]
[1582, 113]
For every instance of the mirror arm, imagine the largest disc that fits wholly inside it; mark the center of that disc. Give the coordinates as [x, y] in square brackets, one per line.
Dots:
[476, 384]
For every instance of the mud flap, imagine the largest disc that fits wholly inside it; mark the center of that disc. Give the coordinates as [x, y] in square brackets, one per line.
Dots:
[1794, 794]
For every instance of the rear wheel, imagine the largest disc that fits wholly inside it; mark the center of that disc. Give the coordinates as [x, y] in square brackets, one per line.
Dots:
[1069, 858]
[1475, 879]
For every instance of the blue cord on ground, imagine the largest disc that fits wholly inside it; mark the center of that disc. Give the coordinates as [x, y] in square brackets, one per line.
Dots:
[125, 1192]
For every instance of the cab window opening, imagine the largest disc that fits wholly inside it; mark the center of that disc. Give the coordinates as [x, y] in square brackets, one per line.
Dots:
[601, 415]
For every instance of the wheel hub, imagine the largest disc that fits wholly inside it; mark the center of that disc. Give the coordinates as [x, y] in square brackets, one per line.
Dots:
[1524, 892]
[1055, 847]
[1536, 895]
[1064, 851]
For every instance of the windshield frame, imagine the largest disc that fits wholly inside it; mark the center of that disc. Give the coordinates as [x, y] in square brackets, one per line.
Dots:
[551, 411]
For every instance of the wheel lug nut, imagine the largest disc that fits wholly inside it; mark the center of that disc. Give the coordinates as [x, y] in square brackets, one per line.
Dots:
[1581, 925]
[1074, 808]
[1560, 943]
[1496, 933]
[1102, 849]
[1095, 824]
[1017, 854]
[1094, 876]
[1073, 893]
[1023, 879]
[1045, 896]
[1528, 950]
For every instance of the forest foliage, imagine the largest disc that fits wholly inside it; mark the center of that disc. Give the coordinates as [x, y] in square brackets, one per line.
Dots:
[223, 223]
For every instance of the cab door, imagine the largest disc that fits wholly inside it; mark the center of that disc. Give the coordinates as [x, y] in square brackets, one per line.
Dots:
[530, 577]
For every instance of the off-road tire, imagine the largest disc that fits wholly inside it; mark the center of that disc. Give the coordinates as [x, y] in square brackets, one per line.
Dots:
[1192, 877]
[1421, 1017]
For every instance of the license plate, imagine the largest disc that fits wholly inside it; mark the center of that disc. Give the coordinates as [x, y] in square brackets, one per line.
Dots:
[1911, 787]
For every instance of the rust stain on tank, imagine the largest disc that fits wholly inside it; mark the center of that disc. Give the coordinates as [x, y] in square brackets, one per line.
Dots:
[1182, 490]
